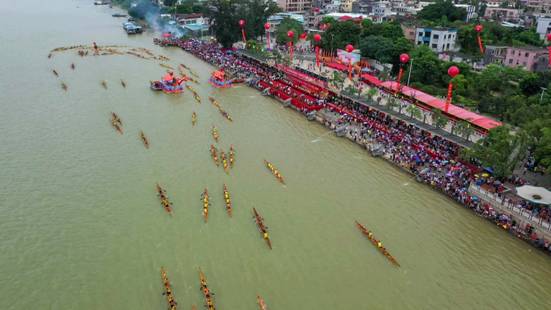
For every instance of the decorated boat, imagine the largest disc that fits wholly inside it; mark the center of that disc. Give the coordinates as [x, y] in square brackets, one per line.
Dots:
[218, 79]
[170, 84]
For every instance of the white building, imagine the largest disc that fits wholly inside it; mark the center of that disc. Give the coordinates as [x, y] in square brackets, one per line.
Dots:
[543, 27]
[438, 39]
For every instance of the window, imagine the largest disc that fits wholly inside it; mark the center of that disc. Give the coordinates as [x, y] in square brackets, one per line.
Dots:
[526, 54]
[420, 34]
[434, 45]
[510, 61]
[435, 37]
[448, 46]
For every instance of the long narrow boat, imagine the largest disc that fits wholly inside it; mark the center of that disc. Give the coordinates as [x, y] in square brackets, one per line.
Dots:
[168, 290]
[274, 171]
[215, 134]
[165, 203]
[224, 161]
[193, 118]
[206, 204]
[197, 98]
[227, 200]
[377, 243]
[214, 154]
[232, 156]
[261, 303]
[144, 139]
[207, 293]
[262, 228]
[116, 122]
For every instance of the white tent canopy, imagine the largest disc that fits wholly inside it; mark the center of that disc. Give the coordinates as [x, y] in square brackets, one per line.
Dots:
[535, 194]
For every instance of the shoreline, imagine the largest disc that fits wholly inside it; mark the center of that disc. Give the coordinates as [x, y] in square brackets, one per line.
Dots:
[535, 237]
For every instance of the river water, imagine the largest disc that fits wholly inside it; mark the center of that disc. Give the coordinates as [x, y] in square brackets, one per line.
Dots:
[82, 228]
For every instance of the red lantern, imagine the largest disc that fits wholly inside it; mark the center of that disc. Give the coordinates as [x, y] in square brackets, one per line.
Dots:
[290, 35]
[349, 48]
[242, 25]
[453, 71]
[267, 28]
[303, 36]
[317, 38]
[478, 28]
[404, 58]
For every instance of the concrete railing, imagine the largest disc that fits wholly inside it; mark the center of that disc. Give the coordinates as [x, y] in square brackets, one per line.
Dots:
[520, 215]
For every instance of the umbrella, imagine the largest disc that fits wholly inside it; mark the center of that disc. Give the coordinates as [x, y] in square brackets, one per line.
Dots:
[166, 35]
[489, 170]
[535, 194]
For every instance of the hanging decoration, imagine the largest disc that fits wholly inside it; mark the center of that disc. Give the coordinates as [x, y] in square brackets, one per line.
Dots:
[242, 25]
[404, 59]
[291, 36]
[349, 48]
[478, 28]
[267, 28]
[453, 71]
[317, 39]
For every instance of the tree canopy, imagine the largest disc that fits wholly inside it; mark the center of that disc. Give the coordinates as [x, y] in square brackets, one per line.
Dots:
[442, 9]
[286, 25]
[340, 34]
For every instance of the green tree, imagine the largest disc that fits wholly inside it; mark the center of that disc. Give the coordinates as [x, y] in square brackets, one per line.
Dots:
[543, 149]
[500, 150]
[440, 9]
[340, 34]
[169, 3]
[391, 30]
[414, 111]
[427, 68]
[286, 25]
[438, 119]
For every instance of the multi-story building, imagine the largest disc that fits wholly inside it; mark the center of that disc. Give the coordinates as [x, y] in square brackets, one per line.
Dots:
[494, 54]
[539, 6]
[313, 18]
[502, 14]
[543, 26]
[438, 39]
[529, 57]
[346, 6]
[409, 32]
[363, 6]
[296, 6]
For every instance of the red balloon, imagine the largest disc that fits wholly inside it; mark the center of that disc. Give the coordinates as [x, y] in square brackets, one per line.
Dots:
[478, 28]
[290, 34]
[267, 26]
[303, 36]
[241, 22]
[404, 58]
[349, 48]
[549, 37]
[317, 37]
[453, 71]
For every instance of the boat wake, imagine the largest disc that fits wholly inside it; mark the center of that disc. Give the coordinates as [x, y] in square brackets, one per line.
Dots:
[318, 139]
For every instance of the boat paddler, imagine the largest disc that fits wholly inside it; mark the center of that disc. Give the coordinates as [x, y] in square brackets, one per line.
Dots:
[265, 235]
[379, 244]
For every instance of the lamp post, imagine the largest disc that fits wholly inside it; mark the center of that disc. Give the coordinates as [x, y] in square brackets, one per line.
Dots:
[478, 28]
[410, 68]
[267, 28]
[242, 25]
[317, 39]
[291, 36]
[349, 48]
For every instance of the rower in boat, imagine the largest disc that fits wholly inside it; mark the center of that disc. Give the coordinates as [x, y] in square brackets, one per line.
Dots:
[224, 161]
[197, 98]
[232, 156]
[227, 200]
[261, 303]
[274, 171]
[165, 203]
[123, 83]
[193, 118]
[213, 153]
[73, 66]
[168, 290]
[144, 139]
[190, 88]
[377, 243]
[215, 133]
[104, 84]
[262, 228]
[206, 204]
[209, 301]
[116, 118]
[64, 86]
